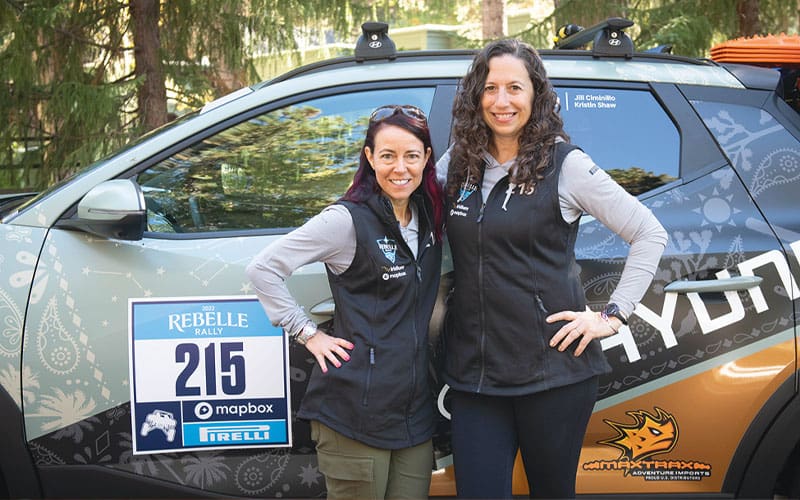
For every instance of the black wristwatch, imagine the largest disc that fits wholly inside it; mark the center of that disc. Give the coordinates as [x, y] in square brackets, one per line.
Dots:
[613, 310]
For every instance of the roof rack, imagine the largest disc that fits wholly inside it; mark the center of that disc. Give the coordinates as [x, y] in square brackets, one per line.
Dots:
[607, 38]
[374, 42]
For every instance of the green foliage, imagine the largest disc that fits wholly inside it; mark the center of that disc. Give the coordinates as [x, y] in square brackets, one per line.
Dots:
[58, 110]
[691, 27]
[637, 180]
[69, 95]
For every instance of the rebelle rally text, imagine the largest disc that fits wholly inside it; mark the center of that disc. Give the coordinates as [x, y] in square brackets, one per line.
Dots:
[207, 322]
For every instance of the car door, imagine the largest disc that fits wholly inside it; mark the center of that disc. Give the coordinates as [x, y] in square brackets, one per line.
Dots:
[760, 134]
[714, 335]
[213, 202]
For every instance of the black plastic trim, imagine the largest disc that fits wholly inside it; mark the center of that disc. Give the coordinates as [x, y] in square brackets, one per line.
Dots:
[754, 77]
[765, 446]
[784, 114]
[441, 118]
[95, 481]
[747, 97]
[698, 147]
[130, 227]
[209, 235]
[658, 496]
[450, 54]
[418, 55]
[16, 464]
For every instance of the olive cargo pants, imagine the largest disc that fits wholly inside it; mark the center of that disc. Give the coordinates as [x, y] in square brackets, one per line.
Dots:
[356, 470]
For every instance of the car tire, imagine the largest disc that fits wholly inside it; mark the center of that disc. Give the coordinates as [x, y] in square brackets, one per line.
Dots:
[788, 482]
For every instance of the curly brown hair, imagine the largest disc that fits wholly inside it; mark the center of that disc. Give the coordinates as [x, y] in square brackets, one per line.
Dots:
[471, 135]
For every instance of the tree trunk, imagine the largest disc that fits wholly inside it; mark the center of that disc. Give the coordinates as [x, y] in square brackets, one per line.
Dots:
[749, 18]
[492, 19]
[152, 95]
[226, 75]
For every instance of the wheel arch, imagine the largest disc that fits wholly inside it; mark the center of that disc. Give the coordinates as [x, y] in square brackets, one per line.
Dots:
[767, 444]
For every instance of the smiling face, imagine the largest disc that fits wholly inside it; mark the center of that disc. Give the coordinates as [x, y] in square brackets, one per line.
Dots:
[398, 160]
[507, 97]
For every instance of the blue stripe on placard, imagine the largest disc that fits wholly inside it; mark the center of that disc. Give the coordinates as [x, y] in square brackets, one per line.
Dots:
[235, 433]
[178, 319]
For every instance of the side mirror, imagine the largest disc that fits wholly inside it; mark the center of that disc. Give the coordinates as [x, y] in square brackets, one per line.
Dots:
[113, 209]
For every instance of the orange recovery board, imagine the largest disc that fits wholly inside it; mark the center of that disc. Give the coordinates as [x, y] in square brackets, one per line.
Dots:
[768, 50]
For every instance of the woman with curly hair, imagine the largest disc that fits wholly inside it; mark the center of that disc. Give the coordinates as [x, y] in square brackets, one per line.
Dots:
[521, 355]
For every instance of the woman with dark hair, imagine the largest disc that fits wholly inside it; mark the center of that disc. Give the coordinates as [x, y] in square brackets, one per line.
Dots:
[372, 416]
[521, 355]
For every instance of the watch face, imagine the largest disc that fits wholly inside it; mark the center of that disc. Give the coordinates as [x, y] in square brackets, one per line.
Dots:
[613, 310]
[306, 333]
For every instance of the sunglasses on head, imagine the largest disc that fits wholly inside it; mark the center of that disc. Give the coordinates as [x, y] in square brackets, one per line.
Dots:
[384, 112]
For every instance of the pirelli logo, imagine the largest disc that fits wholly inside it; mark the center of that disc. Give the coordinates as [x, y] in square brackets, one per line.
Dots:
[235, 434]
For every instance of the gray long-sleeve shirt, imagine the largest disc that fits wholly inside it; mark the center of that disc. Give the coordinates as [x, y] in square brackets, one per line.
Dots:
[328, 237]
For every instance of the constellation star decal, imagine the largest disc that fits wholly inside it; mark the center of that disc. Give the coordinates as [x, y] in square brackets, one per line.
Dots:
[309, 475]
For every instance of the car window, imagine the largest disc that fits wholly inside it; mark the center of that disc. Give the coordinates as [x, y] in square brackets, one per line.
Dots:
[626, 132]
[765, 154]
[755, 142]
[275, 170]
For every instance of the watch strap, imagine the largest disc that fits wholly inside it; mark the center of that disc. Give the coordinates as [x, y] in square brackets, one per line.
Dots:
[612, 310]
[305, 333]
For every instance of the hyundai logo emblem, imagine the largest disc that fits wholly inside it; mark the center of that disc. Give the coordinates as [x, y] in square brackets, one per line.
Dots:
[375, 45]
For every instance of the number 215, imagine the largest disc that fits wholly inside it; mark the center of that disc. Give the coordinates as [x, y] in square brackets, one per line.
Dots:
[231, 368]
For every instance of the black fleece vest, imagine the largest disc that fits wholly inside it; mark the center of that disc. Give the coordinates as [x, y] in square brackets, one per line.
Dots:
[384, 301]
[514, 263]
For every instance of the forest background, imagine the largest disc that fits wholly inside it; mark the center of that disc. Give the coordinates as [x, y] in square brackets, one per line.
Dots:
[81, 78]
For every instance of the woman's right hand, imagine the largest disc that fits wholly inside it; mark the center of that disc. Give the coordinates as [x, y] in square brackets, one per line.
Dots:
[323, 347]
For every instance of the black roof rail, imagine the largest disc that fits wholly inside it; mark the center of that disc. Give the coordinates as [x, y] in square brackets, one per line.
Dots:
[607, 37]
[660, 49]
[374, 42]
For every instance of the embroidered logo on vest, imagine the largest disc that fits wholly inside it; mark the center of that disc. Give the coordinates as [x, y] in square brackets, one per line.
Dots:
[466, 190]
[388, 247]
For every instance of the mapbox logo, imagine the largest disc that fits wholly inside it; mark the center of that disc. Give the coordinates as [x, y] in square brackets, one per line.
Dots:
[205, 410]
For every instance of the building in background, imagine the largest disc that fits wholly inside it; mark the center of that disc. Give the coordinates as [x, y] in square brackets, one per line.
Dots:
[316, 46]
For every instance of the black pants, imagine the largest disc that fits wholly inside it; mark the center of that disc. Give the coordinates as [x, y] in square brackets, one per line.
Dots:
[548, 428]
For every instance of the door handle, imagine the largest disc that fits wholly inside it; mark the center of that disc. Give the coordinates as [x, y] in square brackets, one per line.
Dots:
[734, 283]
[324, 308]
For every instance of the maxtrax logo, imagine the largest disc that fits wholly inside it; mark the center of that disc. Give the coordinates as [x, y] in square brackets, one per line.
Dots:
[648, 435]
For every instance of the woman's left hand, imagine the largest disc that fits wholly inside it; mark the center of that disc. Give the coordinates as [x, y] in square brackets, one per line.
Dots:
[586, 325]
